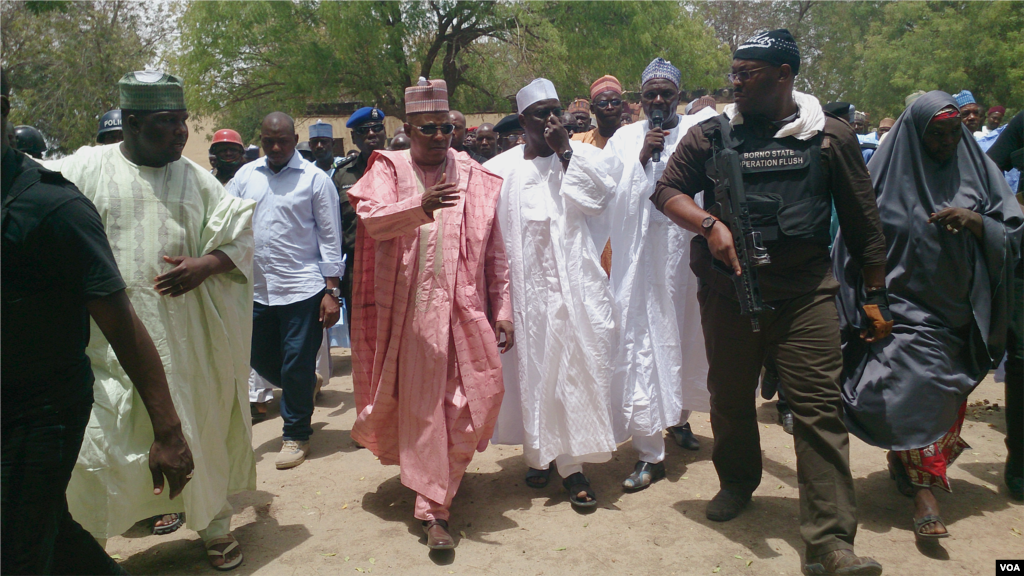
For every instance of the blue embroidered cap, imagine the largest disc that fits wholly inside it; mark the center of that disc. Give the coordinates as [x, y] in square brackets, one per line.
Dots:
[661, 68]
[964, 97]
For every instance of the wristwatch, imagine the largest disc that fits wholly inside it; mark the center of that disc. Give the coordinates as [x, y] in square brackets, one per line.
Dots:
[567, 155]
[336, 292]
[706, 225]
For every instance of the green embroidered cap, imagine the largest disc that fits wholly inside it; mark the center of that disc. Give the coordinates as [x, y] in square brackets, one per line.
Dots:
[151, 90]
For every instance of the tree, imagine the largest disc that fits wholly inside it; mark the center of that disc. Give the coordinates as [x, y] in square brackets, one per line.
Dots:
[947, 46]
[241, 57]
[65, 58]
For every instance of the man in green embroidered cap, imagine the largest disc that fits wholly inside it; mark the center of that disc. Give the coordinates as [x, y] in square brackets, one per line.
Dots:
[185, 249]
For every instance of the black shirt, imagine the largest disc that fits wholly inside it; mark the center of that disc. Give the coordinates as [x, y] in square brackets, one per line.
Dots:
[55, 258]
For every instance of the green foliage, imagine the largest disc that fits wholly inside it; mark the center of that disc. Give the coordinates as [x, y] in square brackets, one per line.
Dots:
[950, 46]
[64, 60]
[245, 56]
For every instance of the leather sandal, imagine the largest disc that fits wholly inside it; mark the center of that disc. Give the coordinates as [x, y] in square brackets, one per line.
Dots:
[536, 478]
[644, 474]
[926, 520]
[215, 554]
[438, 537]
[577, 483]
[178, 522]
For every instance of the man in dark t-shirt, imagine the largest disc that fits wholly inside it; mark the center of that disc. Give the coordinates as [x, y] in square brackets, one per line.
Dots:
[57, 271]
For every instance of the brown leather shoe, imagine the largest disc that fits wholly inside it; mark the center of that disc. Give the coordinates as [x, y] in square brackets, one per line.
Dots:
[842, 563]
[438, 537]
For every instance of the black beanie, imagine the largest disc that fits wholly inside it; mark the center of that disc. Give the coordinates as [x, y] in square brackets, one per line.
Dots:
[776, 47]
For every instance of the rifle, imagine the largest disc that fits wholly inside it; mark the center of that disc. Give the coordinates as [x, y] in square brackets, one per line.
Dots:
[731, 208]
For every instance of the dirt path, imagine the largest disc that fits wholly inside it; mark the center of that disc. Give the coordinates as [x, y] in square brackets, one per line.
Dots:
[343, 513]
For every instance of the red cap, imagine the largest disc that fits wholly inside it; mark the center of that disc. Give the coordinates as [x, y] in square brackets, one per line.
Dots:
[227, 135]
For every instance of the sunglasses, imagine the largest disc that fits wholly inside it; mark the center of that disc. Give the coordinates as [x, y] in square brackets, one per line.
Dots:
[431, 129]
[545, 112]
[743, 75]
[364, 130]
[608, 103]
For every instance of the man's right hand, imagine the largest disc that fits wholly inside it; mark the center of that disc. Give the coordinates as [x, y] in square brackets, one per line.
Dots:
[654, 141]
[722, 246]
[170, 456]
[440, 195]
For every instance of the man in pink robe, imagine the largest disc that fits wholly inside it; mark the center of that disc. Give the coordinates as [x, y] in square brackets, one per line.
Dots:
[431, 299]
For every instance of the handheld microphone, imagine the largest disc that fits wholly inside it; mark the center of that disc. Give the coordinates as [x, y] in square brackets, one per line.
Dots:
[657, 118]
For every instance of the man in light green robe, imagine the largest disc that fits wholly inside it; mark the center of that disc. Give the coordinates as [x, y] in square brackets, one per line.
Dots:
[200, 320]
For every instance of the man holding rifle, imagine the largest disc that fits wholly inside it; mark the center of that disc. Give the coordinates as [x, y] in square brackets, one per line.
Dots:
[793, 163]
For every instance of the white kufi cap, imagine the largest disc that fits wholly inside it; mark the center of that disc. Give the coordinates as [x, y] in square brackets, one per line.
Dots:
[539, 89]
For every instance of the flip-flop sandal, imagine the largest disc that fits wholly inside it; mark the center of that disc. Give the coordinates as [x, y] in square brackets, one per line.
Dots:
[577, 483]
[929, 519]
[179, 520]
[898, 473]
[538, 478]
[214, 554]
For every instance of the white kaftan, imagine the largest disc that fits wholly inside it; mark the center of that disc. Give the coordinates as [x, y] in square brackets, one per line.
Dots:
[558, 375]
[660, 373]
[203, 339]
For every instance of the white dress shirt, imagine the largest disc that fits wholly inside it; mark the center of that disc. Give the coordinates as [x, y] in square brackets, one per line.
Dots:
[297, 225]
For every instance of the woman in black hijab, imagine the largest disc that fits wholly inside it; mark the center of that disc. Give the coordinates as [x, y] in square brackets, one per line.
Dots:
[953, 231]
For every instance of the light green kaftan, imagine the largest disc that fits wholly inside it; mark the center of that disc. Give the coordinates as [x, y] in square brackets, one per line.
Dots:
[203, 339]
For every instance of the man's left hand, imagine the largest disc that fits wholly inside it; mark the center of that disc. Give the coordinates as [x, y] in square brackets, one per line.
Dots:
[188, 273]
[504, 327]
[330, 311]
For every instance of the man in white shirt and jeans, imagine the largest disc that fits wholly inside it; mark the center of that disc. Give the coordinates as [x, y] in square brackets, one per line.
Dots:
[298, 264]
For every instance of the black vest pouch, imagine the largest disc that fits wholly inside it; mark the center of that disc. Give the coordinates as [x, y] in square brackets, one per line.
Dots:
[785, 186]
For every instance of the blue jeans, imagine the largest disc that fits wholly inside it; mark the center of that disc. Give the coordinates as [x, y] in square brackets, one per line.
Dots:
[285, 340]
[39, 450]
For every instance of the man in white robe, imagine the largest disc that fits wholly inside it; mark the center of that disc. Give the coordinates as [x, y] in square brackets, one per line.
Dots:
[661, 369]
[184, 247]
[557, 379]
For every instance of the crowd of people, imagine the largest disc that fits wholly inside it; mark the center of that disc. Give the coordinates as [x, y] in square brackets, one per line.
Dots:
[542, 281]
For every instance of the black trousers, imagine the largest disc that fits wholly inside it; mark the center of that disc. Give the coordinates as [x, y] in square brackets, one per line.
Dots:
[803, 336]
[38, 535]
[1015, 380]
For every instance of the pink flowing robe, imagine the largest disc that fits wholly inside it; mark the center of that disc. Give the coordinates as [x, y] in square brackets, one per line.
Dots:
[419, 283]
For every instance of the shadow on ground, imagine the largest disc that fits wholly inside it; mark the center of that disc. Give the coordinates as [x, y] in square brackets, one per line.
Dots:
[189, 556]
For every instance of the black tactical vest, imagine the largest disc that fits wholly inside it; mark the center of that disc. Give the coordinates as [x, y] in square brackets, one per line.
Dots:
[785, 185]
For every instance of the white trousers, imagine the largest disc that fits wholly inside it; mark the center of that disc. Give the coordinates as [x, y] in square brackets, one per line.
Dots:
[652, 448]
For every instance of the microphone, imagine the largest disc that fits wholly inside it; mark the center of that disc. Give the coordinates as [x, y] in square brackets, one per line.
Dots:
[657, 117]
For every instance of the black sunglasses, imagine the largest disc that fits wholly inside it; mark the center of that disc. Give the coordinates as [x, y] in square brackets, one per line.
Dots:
[364, 130]
[543, 113]
[607, 103]
[431, 129]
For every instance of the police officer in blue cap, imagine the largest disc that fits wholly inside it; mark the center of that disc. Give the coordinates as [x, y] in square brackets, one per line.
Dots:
[110, 128]
[368, 134]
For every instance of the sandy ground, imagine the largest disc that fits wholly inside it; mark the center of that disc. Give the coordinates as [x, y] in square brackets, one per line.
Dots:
[342, 512]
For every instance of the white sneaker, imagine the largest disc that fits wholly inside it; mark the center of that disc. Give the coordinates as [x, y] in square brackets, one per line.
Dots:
[293, 453]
